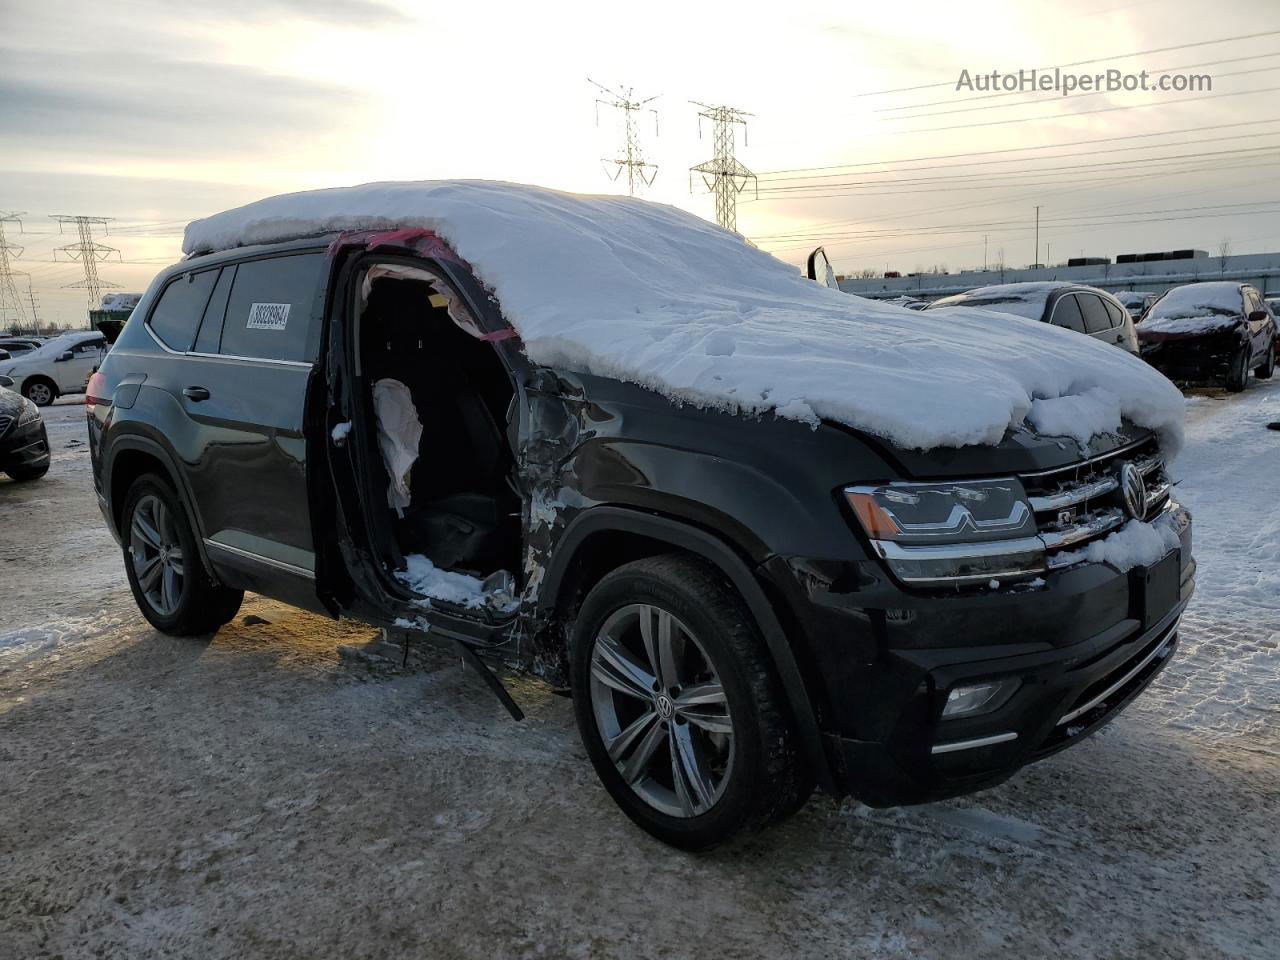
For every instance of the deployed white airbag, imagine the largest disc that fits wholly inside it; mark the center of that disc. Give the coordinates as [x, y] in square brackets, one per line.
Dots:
[399, 432]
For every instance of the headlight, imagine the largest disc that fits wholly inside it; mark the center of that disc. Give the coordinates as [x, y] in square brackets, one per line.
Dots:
[30, 413]
[950, 532]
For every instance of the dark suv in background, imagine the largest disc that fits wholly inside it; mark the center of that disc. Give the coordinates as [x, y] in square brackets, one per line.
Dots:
[742, 606]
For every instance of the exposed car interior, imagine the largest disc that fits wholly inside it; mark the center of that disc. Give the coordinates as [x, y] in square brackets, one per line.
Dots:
[440, 399]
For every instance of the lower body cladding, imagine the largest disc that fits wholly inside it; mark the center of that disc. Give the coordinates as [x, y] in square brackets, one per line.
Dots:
[928, 696]
[25, 448]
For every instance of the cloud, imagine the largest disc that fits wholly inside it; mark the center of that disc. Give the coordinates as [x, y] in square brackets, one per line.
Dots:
[138, 104]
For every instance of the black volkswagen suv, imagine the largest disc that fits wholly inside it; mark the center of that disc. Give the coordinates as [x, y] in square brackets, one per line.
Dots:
[742, 607]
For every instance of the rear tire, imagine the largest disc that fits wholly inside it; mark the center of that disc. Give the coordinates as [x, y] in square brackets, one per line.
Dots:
[170, 583]
[40, 391]
[1268, 367]
[723, 753]
[1238, 375]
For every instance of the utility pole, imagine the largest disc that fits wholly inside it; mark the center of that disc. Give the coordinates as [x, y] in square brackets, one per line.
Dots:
[985, 238]
[88, 252]
[723, 174]
[10, 303]
[1036, 258]
[632, 159]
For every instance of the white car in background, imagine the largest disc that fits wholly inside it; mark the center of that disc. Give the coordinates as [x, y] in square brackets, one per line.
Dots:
[62, 365]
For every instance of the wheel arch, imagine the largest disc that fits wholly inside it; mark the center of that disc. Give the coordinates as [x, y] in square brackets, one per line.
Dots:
[623, 535]
[130, 457]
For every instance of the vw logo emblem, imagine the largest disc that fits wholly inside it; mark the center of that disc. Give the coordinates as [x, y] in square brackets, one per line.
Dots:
[665, 707]
[1133, 490]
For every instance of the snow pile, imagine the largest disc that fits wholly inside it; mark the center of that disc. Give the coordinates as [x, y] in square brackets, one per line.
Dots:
[425, 578]
[1079, 416]
[652, 295]
[1196, 308]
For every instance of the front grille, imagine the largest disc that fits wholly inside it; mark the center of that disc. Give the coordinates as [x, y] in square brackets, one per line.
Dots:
[4, 425]
[1083, 502]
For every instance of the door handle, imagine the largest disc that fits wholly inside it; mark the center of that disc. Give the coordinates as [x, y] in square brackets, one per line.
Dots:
[195, 393]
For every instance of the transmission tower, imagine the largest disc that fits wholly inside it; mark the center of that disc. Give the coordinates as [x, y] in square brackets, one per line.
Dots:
[88, 252]
[10, 303]
[723, 174]
[632, 160]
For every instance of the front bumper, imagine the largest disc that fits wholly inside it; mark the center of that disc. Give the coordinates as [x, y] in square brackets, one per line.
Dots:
[1200, 358]
[1081, 647]
[25, 447]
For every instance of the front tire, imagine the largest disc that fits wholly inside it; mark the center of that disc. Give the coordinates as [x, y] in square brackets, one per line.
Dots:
[679, 707]
[170, 583]
[1238, 375]
[23, 474]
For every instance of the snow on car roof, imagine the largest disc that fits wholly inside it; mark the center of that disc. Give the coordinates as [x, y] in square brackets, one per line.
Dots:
[649, 294]
[1025, 299]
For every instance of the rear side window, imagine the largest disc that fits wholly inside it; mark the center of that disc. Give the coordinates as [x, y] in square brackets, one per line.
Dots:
[1096, 318]
[177, 313]
[1117, 313]
[269, 310]
[1067, 314]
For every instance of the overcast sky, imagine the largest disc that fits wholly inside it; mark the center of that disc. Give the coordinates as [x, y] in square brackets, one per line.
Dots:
[155, 113]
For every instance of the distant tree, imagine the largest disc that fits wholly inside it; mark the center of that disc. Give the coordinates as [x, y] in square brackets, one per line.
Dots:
[1224, 251]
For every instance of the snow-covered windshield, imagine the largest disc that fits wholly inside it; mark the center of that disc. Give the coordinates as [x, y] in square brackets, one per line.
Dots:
[1199, 300]
[652, 295]
[1020, 299]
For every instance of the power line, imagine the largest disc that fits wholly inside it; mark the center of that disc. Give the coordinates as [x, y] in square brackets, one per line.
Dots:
[88, 252]
[1042, 146]
[1057, 156]
[1085, 113]
[1145, 161]
[1081, 63]
[723, 174]
[632, 159]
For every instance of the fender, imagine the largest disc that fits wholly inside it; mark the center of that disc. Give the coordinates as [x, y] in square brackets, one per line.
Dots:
[717, 552]
[140, 442]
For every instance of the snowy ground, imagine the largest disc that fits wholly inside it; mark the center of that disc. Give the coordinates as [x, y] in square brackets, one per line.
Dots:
[253, 796]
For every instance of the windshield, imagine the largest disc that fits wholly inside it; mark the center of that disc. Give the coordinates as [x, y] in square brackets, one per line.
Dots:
[1199, 300]
[1030, 307]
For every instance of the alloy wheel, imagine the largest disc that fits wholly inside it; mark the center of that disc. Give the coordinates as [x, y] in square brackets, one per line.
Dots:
[660, 710]
[156, 553]
[40, 394]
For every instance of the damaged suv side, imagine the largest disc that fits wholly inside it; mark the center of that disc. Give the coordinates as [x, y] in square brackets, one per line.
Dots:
[742, 606]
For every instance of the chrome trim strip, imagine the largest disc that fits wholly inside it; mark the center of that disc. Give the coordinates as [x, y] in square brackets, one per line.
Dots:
[219, 356]
[954, 745]
[890, 550]
[268, 561]
[1169, 638]
[1085, 531]
[1118, 451]
[1079, 494]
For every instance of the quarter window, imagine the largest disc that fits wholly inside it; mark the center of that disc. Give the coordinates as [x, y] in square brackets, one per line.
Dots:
[177, 314]
[1066, 314]
[1117, 313]
[269, 310]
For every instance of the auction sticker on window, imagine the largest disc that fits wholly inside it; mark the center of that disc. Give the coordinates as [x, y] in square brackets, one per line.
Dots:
[268, 316]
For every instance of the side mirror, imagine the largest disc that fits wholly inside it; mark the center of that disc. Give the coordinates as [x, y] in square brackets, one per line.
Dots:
[6, 381]
[1258, 316]
[819, 269]
[4, 355]
[65, 355]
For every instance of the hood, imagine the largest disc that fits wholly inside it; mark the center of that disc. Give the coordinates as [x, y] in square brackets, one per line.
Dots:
[1185, 328]
[11, 404]
[651, 295]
